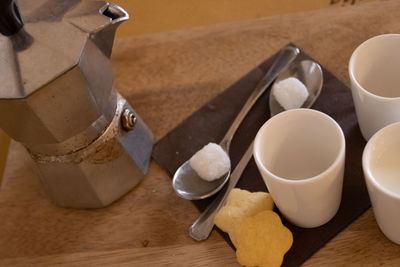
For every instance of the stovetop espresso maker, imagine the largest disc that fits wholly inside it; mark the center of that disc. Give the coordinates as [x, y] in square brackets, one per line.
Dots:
[57, 98]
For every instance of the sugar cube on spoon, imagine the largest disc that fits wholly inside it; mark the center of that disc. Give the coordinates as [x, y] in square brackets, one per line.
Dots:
[290, 93]
[211, 162]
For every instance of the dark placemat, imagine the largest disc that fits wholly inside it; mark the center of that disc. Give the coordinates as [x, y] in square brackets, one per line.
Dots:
[210, 123]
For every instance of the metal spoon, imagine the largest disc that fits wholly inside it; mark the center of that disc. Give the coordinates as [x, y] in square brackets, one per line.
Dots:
[310, 74]
[186, 183]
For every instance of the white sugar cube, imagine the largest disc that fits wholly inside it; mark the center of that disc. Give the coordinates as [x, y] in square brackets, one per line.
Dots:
[210, 162]
[290, 93]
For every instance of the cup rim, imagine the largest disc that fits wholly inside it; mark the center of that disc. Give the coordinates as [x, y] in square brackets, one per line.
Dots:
[351, 66]
[334, 164]
[366, 163]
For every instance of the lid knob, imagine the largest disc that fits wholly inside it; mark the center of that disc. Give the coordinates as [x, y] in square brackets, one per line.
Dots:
[10, 18]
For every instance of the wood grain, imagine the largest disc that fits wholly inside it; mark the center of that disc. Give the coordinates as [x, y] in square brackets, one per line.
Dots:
[166, 77]
[215, 254]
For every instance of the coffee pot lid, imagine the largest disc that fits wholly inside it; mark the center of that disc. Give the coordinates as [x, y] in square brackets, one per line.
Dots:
[47, 38]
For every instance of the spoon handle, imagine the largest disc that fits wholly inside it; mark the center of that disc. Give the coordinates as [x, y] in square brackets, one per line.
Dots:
[284, 58]
[203, 226]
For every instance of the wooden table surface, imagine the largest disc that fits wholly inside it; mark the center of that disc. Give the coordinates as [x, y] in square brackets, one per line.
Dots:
[166, 77]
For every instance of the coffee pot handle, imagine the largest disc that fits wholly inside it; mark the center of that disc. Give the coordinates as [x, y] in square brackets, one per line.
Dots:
[10, 18]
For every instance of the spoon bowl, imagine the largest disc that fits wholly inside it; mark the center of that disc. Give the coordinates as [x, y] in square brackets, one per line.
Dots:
[188, 184]
[309, 73]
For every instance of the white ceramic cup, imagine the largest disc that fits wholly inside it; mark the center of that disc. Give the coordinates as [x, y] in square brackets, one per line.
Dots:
[381, 165]
[300, 154]
[374, 71]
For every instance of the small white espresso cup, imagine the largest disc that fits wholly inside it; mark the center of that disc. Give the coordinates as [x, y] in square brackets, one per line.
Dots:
[381, 165]
[300, 154]
[375, 82]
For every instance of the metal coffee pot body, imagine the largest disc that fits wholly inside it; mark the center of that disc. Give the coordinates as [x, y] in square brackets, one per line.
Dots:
[57, 98]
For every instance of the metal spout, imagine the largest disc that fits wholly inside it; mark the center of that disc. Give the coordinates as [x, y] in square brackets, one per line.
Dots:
[104, 38]
[100, 19]
[116, 13]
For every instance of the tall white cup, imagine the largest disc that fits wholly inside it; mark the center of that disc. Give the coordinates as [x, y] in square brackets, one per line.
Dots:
[381, 164]
[300, 154]
[374, 71]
